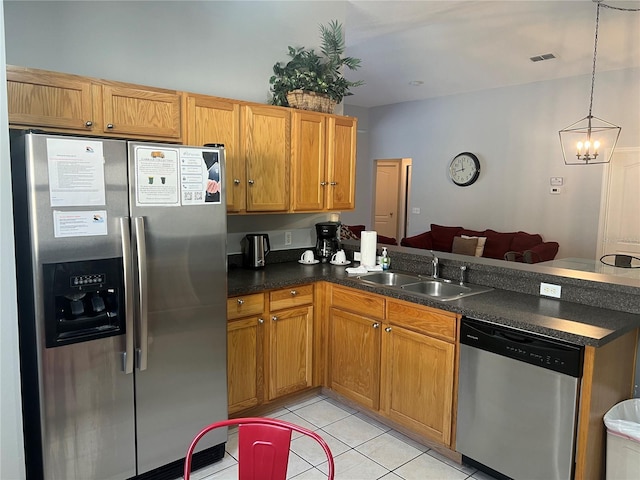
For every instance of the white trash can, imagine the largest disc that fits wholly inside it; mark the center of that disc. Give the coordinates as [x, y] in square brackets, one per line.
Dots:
[623, 440]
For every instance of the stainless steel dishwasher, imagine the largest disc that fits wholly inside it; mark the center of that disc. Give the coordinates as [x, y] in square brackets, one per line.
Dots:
[517, 402]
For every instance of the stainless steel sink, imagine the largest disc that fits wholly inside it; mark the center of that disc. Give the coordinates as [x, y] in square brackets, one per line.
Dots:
[437, 289]
[442, 290]
[390, 279]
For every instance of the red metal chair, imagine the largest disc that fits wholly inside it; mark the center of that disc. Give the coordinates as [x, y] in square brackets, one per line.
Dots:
[263, 447]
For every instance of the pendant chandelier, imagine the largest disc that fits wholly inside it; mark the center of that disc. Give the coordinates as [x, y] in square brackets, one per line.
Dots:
[591, 140]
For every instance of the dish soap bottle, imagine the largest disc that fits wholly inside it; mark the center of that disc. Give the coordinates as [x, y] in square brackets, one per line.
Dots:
[385, 261]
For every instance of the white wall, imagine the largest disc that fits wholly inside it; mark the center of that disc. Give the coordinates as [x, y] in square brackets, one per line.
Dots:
[11, 442]
[514, 132]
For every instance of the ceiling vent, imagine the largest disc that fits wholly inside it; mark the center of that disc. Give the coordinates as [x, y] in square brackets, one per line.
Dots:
[539, 58]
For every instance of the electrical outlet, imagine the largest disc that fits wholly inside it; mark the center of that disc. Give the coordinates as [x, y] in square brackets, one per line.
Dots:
[357, 257]
[287, 238]
[550, 290]
[416, 210]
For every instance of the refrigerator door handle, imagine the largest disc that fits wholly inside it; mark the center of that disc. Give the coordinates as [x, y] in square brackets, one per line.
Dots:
[141, 249]
[127, 357]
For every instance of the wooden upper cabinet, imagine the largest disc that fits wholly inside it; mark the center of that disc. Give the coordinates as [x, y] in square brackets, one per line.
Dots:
[341, 163]
[323, 159]
[141, 112]
[48, 99]
[217, 120]
[308, 161]
[266, 150]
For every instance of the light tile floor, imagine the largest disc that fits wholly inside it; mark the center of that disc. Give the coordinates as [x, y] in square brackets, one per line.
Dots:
[362, 448]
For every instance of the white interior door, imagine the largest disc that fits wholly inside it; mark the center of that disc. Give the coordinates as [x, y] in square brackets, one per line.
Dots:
[620, 206]
[386, 199]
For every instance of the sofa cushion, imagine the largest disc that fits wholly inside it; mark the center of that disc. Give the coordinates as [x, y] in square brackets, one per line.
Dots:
[443, 237]
[497, 244]
[472, 233]
[464, 246]
[423, 240]
[479, 246]
[523, 241]
[386, 240]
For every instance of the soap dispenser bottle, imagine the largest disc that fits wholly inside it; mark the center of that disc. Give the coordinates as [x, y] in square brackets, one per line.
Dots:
[385, 261]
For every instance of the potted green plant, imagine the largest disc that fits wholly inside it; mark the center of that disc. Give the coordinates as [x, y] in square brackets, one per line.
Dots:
[313, 81]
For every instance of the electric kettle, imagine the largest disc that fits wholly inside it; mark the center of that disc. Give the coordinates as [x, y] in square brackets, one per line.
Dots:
[255, 247]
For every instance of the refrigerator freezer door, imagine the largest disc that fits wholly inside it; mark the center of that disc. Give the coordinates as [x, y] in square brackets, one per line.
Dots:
[182, 387]
[86, 404]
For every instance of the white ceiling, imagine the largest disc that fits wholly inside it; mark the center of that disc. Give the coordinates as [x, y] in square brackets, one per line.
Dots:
[462, 46]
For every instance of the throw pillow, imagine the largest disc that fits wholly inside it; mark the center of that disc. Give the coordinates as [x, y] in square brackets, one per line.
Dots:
[350, 232]
[464, 246]
[480, 246]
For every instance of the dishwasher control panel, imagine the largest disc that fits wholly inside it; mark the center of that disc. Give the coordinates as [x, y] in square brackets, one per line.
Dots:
[523, 346]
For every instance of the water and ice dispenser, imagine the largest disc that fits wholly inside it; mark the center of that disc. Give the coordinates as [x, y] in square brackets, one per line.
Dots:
[83, 301]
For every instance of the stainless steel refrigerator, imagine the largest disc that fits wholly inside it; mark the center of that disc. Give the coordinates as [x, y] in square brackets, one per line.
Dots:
[121, 266]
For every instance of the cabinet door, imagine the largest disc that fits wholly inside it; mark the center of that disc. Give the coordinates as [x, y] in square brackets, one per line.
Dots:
[354, 357]
[244, 363]
[48, 99]
[417, 382]
[266, 142]
[342, 163]
[139, 112]
[290, 351]
[308, 161]
[212, 120]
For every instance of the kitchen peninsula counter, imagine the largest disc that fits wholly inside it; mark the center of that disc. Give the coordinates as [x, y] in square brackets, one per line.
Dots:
[573, 322]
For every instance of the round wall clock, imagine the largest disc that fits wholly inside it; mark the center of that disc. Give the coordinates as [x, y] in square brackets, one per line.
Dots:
[464, 169]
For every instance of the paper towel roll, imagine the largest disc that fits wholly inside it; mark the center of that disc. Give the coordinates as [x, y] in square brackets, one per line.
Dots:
[368, 240]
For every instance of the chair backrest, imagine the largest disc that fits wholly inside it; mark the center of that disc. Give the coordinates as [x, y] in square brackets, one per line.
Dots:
[263, 447]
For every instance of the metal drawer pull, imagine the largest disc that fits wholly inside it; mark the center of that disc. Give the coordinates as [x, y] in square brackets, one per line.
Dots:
[261, 321]
[274, 318]
[236, 181]
[388, 329]
[376, 325]
[294, 293]
[110, 125]
[88, 123]
[240, 301]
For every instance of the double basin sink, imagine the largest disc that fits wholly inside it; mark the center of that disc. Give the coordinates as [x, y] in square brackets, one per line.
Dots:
[435, 288]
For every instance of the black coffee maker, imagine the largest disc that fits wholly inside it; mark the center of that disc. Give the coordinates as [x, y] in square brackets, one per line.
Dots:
[327, 241]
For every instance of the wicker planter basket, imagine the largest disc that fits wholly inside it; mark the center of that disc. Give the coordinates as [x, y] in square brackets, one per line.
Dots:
[304, 100]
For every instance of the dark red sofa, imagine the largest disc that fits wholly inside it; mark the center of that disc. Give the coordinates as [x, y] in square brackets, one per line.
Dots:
[517, 246]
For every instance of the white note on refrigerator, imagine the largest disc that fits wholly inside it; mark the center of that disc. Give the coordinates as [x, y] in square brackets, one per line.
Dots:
[79, 224]
[76, 172]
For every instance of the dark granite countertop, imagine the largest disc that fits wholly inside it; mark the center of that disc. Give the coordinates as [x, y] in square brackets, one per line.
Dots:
[573, 322]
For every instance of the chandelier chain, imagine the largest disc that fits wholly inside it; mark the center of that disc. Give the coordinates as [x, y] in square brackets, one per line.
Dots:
[595, 52]
[618, 8]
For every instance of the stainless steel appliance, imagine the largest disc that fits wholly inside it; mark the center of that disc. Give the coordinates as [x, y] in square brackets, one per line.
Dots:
[255, 247]
[517, 402]
[327, 242]
[121, 259]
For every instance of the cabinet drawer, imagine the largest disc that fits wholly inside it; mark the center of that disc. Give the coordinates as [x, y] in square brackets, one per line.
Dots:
[291, 297]
[245, 305]
[422, 319]
[367, 304]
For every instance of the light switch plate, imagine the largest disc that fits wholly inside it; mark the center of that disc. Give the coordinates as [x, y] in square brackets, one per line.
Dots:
[556, 181]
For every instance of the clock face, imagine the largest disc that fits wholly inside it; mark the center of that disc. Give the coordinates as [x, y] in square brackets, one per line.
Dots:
[464, 169]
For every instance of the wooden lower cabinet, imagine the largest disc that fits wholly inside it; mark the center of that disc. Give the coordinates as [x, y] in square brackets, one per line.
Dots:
[290, 351]
[417, 373]
[269, 346]
[354, 357]
[245, 342]
[397, 359]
